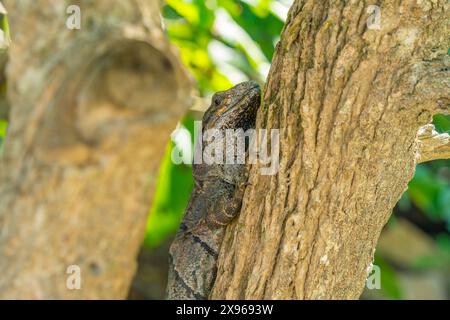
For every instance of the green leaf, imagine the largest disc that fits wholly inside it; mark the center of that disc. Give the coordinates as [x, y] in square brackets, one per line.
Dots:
[430, 193]
[389, 282]
[3, 128]
[251, 18]
[173, 189]
[442, 123]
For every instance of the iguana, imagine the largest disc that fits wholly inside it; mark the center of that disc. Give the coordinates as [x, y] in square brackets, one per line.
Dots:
[215, 199]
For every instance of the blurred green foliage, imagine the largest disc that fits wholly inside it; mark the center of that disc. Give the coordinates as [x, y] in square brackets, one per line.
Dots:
[222, 41]
[172, 193]
[3, 123]
[3, 127]
[389, 282]
[5, 38]
[429, 192]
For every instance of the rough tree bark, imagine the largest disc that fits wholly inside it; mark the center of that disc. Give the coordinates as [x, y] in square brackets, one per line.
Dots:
[91, 112]
[349, 102]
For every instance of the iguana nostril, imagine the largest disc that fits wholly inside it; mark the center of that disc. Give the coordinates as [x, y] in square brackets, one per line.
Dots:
[94, 268]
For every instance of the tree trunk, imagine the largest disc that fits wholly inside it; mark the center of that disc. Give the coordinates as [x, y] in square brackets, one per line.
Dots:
[348, 101]
[91, 112]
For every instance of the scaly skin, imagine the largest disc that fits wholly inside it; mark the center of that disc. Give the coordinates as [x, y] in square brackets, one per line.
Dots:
[215, 200]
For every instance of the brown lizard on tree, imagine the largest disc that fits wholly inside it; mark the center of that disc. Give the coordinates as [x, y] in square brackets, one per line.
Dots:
[215, 200]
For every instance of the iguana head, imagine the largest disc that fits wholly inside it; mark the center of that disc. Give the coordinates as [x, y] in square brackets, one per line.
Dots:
[234, 108]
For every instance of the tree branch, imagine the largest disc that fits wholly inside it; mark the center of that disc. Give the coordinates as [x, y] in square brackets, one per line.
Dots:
[4, 105]
[432, 145]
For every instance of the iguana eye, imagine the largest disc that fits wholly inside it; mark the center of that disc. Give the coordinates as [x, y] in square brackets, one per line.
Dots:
[216, 99]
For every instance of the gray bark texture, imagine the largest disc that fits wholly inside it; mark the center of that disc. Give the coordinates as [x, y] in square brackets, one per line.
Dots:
[91, 113]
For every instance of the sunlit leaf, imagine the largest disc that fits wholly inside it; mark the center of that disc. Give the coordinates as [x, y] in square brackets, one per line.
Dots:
[442, 123]
[172, 193]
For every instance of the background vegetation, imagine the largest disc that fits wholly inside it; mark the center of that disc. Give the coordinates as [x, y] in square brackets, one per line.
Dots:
[224, 42]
